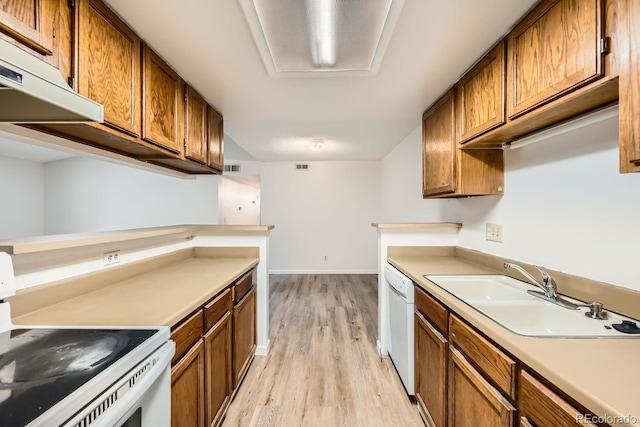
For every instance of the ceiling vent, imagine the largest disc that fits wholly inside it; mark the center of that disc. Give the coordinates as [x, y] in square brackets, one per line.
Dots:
[232, 168]
[302, 167]
[311, 38]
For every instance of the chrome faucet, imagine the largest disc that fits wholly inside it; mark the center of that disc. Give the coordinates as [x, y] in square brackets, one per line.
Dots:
[548, 286]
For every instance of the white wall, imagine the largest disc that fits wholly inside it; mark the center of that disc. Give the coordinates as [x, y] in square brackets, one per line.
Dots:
[565, 207]
[325, 210]
[401, 186]
[85, 195]
[22, 198]
[238, 203]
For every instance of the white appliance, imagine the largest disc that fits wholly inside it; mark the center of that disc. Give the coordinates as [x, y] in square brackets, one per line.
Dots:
[32, 91]
[401, 325]
[81, 376]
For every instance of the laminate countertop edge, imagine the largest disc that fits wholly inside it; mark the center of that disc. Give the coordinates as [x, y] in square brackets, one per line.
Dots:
[415, 225]
[33, 244]
[162, 297]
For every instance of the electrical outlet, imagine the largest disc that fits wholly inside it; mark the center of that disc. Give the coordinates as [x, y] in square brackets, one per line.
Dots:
[110, 258]
[494, 232]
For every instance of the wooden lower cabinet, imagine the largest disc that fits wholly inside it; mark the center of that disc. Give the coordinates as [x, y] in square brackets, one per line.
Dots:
[187, 389]
[540, 407]
[244, 335]
[217, 345]
[431, 349]
[473, 401]
[214, 348]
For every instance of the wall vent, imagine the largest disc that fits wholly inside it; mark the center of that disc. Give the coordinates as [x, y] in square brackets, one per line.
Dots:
[302, 167]
[232, 168]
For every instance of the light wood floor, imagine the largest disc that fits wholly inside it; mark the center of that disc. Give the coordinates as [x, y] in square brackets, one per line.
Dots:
[323, 368]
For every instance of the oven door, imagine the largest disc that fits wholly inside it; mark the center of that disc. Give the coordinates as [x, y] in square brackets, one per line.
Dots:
[142, 398]
[154, 408]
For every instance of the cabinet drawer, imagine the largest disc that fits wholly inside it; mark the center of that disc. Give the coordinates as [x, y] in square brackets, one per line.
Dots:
[186, 334]
[496, 365]
[539, 406]
[242, 286]
[432, 310]
[217, 308]
[472, 400]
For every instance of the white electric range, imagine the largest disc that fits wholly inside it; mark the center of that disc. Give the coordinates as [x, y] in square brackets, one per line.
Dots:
[81, 376]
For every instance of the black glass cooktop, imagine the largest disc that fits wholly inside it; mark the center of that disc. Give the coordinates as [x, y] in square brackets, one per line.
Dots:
[40, 367]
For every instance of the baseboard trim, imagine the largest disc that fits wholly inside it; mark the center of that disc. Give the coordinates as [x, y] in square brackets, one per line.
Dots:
[323, 271]
[263, 350]
[381, 352]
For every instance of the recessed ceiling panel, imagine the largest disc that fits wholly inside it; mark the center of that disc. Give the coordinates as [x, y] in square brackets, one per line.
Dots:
[321, 37]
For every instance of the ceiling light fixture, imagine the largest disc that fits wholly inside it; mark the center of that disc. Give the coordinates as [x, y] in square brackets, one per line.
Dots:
[312, 38]
[316, 144]
[322, 22]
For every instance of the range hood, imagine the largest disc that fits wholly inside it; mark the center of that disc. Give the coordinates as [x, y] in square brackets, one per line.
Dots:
[32, 91]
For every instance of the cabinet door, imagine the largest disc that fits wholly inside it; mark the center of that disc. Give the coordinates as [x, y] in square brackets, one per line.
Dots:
[541, 407]
[439, 148]
[215, 144]
[217, 344]
[30, 22]
[109, 65]
[480, 96]
[555, 50]
[244, 335]
[473, 402]
[162, 103]
[187, 389]
[430, 372]
[630, 93]
[196, 131]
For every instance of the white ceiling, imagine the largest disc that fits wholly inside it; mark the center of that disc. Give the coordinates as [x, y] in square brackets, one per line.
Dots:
[361, 118]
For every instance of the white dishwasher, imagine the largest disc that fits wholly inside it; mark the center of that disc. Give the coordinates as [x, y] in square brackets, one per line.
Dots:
[401, 305]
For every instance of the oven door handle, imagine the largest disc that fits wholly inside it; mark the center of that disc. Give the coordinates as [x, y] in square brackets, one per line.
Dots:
[129, 391]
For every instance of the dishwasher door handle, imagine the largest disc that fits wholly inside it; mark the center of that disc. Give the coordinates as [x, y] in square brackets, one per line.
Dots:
[397, 292]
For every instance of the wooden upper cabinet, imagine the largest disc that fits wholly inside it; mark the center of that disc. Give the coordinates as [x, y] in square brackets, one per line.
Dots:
[215, 148]
[162, 103]
[449, 171]
[630, 93]
[30, 22]
[109, 65]
[481, 96]
[553, 51]
[196, 131]
[439, 147]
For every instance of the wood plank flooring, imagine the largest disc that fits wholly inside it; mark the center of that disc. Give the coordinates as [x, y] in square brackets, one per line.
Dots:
[323, 368]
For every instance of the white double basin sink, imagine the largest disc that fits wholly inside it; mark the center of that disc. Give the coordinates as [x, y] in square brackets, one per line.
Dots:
[505, 300]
